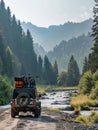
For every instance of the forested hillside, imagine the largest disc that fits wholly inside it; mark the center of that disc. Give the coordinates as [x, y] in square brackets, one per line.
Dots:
[79, 47]
[53, 35]
[18, 45]
[17, 54]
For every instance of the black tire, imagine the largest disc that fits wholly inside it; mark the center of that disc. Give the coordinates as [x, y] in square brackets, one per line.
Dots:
[13, 114]
[39, 108]
[37, 113]
[17, 113]
[40, 112]
[23, 99]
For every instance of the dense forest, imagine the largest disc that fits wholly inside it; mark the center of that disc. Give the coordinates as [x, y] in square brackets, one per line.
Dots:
[79, 47]
[88, 84]
[18, 57]
[17, 54]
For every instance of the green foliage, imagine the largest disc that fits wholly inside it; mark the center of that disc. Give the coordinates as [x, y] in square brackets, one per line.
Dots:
[93, 57]
[50, 72]
[83, 120]
[89, 84]
[13, 65]
[55, 72]
[79, 47]
[5, 90]
[94, 93]
[41, 90]
[88, 120]
[62, 78]
[94, 117]
[85, 66]
[86, 83]
[73, 74]
[20, 52]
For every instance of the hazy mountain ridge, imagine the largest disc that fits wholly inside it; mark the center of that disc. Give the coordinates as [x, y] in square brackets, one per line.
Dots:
[39, 50]
[79, 47]
[53, 35]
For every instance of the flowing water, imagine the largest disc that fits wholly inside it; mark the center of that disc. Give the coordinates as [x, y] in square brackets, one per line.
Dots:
[55, 100]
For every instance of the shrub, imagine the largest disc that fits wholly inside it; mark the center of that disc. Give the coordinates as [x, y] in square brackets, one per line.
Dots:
[5, 91]
[83, 120]
[94, 116]
[94, 93]
[41, 91]
[86, 83]
[83, 101]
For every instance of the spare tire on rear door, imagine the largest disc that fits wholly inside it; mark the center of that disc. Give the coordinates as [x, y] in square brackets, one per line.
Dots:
[23, 99]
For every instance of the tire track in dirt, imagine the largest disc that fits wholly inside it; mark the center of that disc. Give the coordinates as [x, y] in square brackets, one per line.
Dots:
[26, 122]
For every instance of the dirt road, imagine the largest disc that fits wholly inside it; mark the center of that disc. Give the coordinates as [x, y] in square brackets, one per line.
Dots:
[49, 120]
[27, 121]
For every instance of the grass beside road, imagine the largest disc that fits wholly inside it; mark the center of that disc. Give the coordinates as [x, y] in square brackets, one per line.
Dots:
[88, 120]
[42, 89]
[83, 102]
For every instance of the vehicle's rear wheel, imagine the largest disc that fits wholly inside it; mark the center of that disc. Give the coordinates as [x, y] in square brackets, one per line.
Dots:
[13, 113]
[17, 113]
[37, 113]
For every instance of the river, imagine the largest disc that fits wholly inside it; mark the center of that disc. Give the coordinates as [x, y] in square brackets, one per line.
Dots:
[55, 100]
[60, 100]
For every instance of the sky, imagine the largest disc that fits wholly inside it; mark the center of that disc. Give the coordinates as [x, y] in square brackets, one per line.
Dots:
[44, 13]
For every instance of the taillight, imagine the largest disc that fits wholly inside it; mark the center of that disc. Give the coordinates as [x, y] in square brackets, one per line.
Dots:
[34, 103]
[13, 103]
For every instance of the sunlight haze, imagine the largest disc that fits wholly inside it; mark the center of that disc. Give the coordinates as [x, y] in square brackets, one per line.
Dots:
[51, 12]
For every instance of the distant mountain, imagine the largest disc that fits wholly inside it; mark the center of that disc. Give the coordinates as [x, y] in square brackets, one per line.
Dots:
[79, 47]
[39, 50]
[53, 35]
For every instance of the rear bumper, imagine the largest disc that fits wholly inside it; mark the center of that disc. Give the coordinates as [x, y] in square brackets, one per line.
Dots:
[25, 109]
[30, 107]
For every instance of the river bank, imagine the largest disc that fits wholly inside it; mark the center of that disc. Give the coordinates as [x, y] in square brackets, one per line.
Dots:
[49, 120]
[66, 121]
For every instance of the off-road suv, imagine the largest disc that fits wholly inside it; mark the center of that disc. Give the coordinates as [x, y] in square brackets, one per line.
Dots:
[25, 97]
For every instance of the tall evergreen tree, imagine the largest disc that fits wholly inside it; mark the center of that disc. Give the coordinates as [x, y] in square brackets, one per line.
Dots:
[55, 70]
[73, 74]
[48, 71]
[85, 66]
[93, 57]
[2, 55]
[1, 64]
[19, 42]
[29, 58]
[62, 79]
[40, 66]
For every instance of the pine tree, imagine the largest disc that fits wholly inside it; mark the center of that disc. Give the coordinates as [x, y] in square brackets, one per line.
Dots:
[62, 79]
[1, 64]
[73, 74]
[29, 57]
[85, 66]
[48, 71]
[40, 67]
[19, 42]
[55, 70]
[93, 57]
